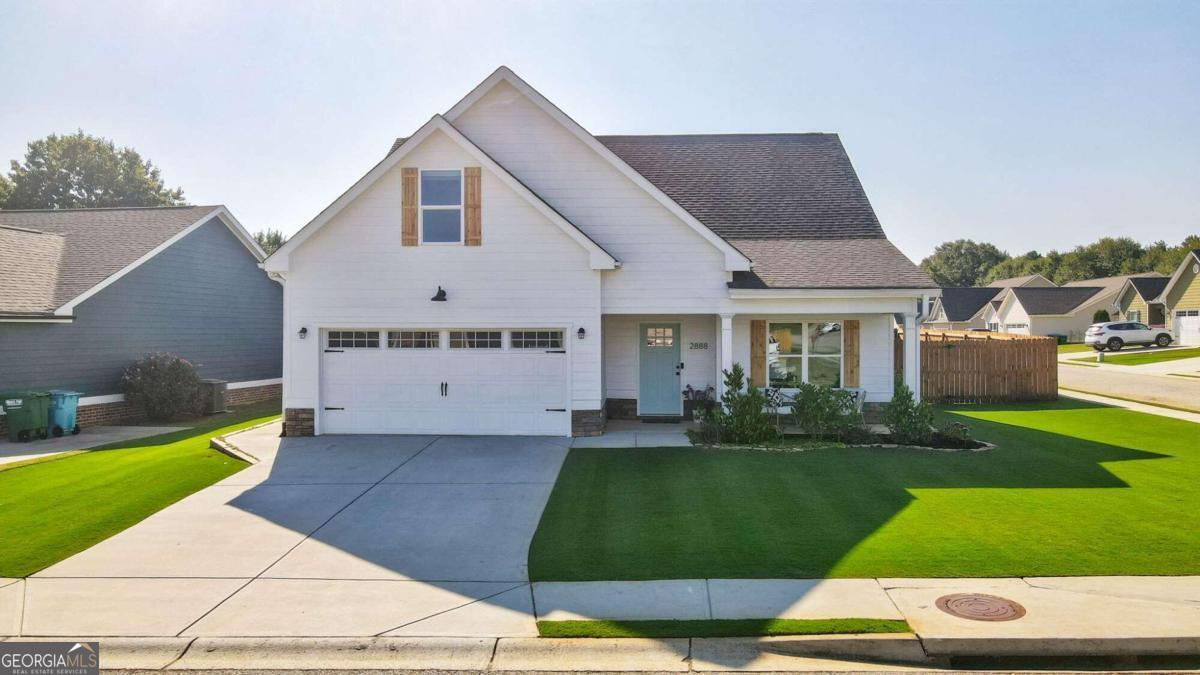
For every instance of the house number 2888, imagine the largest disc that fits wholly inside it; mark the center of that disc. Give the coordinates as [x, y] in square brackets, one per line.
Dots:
[697, 345]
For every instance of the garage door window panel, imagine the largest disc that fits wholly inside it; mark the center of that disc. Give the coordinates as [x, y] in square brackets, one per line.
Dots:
[353, 339]
[414, 339]
[537, 339]
[441, 194]
[476, 339]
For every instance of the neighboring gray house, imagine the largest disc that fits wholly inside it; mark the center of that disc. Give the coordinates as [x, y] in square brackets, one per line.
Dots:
[87, 291]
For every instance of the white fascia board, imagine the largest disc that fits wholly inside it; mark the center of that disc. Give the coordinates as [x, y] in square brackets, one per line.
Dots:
[277, 263]
[220, 212]
[803, 293]
[1190, 259]
[735, 260]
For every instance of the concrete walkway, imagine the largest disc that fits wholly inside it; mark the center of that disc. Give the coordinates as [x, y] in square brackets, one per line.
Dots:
[1127, 383]
[1133, 405]
[638, 434]
[89, 437]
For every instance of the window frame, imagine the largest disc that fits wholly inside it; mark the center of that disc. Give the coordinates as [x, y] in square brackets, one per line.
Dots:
[461, 207]
[554, 333]
[367, 338]
[475, 331]
[427, 333]
[805, 353]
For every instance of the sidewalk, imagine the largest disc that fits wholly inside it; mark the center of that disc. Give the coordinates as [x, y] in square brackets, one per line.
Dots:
[1063, 616]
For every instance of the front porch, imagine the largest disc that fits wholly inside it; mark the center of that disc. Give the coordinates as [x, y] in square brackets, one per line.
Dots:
[660, 367]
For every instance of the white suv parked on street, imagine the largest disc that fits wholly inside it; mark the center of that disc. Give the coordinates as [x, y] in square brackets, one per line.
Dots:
[1116, 334]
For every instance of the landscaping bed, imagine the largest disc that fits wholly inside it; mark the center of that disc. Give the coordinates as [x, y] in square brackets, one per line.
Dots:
[1071, 488]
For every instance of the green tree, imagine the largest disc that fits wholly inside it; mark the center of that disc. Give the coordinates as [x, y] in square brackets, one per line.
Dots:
[5, 190]
[962, 262]
[1107, 257]
[270, 240]
[82, 171]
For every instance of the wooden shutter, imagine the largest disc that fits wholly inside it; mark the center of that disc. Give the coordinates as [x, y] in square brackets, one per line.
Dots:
[408, 196]
[758, 353]
[472, 212]
[850, 349]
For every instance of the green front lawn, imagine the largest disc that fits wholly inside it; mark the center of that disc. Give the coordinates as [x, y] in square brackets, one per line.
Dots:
[1074, 347]
[664, 628]
[55, 508]
[1151, 356]
[1073, 488]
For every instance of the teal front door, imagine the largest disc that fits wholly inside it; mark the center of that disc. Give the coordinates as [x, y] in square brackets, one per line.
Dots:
[659, 389]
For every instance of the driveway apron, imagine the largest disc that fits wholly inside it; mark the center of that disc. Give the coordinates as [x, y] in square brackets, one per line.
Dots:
[326, 536]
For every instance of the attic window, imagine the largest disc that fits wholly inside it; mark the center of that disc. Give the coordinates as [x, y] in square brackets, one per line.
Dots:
[441, 207]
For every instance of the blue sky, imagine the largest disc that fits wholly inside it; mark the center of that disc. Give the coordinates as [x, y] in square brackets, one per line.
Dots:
[1028, 124]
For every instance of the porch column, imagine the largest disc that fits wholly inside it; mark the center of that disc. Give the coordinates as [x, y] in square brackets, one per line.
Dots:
[912, 355]
[726, 351]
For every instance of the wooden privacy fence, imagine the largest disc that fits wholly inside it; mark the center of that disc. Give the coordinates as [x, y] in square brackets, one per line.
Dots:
[979, 367]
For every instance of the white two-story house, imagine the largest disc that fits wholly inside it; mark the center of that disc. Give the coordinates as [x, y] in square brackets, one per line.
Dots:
[503, 271]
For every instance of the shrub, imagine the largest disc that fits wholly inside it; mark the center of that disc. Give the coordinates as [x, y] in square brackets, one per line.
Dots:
[823, 412]
[909, 421]
[165, 385]
[1101, 316]
[741, 418]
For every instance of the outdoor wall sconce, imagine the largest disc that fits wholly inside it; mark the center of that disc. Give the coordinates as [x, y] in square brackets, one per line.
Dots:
[581, 333]
[440, 296]
[303, 332]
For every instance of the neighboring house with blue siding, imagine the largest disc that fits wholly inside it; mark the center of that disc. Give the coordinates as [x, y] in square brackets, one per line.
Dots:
[85, 292]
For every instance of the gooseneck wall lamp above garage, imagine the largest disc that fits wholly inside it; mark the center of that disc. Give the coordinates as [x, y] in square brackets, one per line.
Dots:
[440, 296]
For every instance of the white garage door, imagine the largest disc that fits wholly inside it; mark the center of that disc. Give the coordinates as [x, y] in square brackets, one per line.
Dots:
[1187, 326]
[445, 382]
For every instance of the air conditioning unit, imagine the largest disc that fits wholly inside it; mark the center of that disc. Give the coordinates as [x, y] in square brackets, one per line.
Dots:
[212, 394]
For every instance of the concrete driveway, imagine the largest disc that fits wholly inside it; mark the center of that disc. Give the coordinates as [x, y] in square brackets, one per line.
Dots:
[1154, 383]
[330, 536]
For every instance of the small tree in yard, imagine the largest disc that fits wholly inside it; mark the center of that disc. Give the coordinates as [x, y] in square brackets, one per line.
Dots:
[741, 417]
[910, 421]
[164, 385]
[1101, 316]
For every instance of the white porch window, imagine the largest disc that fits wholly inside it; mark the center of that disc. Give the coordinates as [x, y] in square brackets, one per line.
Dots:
[804, 352]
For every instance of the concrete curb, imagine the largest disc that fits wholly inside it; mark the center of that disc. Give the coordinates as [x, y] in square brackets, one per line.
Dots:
[145, 653]
[781, 653]
[222, 444]
[1062, 647]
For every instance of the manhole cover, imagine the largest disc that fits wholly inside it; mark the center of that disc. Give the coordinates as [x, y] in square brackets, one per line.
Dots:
[980, 607]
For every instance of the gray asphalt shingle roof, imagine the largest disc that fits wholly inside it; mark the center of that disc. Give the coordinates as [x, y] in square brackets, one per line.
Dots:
[826, 263]
[962, 303]
[1053, 301]
[792, 203]
[1149, 287]
[93, 244]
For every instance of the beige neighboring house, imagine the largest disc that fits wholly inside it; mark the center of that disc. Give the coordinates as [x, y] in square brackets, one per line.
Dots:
[1034, 280]
[1060, 310]
[1181, 296]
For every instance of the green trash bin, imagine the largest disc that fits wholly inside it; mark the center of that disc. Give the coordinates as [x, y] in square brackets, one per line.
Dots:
[27, 413]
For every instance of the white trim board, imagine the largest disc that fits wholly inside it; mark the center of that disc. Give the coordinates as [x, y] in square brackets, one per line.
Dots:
[220, 212]
[735, 260]
[599, 258]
